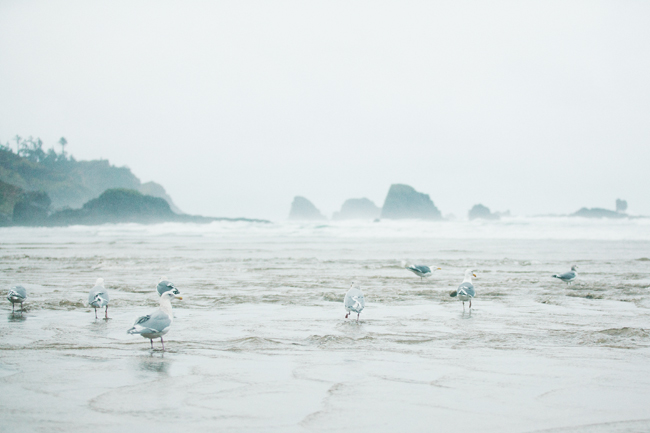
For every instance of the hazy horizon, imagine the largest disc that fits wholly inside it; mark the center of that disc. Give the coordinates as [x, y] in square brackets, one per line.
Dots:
[235, 108]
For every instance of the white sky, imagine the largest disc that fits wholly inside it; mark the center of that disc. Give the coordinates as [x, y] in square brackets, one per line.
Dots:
[235, 107]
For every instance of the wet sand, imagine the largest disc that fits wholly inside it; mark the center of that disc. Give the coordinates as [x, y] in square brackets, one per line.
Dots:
[260, 342]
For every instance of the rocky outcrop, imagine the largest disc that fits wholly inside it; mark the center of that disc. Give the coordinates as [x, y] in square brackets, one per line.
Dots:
[482, 212]
[357, 208]
[598, 213]
[32, 209]
[24, 208]
[116, 206]
[156, 190]
[304, 210]
[403, 201]
[9, 196]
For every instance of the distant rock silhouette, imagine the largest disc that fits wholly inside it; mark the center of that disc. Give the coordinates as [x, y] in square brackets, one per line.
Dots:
[621, 205]
[403, 201]
[32, 208]
[156, 190]
[304, 210]
[118, 205]
[482, 212]
[598, 213]
[357, 208]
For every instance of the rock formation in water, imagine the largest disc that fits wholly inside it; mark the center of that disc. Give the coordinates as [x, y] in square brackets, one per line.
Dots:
[598, 213]
[357, 208]
[117, 205]
[156, 190]
[304, 210]
[403, 201]
[482, 212]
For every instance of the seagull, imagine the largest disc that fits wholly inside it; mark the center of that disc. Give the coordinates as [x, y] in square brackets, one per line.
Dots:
[465, 291]
[568, 277]
[156, 324]
[166, 286]
[17, 294]
[353, 301]
[421, 271]
[98, 297]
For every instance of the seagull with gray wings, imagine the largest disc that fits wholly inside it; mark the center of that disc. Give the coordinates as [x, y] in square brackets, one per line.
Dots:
[156, 324]
[465, 292]
[354, 302]
[166, 286]
[17, 294]
[98, 297]
[421, 271]
[568, 277]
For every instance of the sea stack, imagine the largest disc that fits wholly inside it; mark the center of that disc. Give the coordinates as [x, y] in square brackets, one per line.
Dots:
[304, 210]
[482, 212]
[357, 208]
[404, 202]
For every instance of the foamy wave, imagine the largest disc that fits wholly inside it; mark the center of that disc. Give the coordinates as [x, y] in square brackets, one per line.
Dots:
[560, 228]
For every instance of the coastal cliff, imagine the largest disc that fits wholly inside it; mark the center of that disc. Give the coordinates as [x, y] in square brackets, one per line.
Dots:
[404, 201]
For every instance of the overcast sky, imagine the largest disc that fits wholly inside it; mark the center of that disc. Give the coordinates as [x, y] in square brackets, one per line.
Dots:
[235, 107]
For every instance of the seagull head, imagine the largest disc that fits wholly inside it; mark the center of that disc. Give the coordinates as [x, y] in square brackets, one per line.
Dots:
[574, 268]
[469, 273]
[99, 282]
[171, 295]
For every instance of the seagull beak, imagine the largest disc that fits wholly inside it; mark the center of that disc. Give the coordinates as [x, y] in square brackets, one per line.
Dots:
[440, 269]
[474, 275]
[178, 297]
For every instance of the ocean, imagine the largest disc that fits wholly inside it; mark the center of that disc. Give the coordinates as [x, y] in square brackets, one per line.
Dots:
[260, 343]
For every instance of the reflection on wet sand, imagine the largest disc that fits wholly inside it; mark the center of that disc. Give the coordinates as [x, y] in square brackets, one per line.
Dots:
[261, 343]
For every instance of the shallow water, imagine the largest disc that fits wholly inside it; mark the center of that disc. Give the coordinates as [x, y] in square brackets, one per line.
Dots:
[260, 343]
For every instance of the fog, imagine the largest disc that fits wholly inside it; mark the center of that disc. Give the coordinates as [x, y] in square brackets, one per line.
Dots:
[236, 107]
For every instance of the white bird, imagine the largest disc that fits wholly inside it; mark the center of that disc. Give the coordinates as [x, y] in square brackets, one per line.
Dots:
[421, 271]
[354, 302]
[17, 294]
[568, 277]
[465, 292]
[156, 324]
[98, 297]
[166, 286]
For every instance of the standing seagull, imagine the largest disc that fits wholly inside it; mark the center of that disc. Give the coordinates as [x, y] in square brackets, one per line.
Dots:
[421, 271]
[17, 294]
[465, 291]
[156, 324]
[166, 286]
[98, 297]
[568, 277]
[353, 301]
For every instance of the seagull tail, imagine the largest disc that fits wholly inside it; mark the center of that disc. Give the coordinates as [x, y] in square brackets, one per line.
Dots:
[454, 293]
[404, 264]
[556, 276]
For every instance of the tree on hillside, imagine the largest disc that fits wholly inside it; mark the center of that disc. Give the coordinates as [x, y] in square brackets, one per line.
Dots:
[17, 138]
[63, 142]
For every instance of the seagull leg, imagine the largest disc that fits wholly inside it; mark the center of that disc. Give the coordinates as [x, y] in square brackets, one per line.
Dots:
[358, 317]
[106, 313]
[346, 316]
[463, 305]
[151, 340]
[95, 312]
[163, 343]
[13, 308]
[21, 308]
[470, 304]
